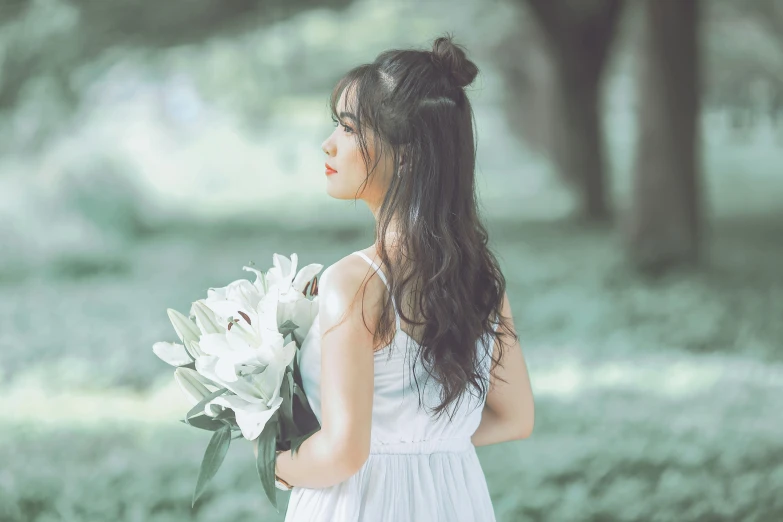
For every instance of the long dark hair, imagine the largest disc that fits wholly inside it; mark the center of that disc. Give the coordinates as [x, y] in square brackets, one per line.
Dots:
[415, 104]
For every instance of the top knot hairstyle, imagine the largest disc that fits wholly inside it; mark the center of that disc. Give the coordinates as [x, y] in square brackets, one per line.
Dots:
[450, 58]
[412, 105]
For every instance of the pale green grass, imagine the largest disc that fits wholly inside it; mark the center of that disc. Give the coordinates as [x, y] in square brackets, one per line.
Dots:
[656, 400]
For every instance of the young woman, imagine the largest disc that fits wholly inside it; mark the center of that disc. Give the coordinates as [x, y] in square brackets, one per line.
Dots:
[413, 360]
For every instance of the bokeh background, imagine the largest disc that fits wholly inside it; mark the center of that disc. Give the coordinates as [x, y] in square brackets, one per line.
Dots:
[630, 169]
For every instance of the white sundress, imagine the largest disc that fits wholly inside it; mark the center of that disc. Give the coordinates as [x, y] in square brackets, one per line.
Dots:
[419, 469]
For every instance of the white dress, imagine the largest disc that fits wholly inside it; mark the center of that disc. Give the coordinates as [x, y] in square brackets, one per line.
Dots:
[419, 469]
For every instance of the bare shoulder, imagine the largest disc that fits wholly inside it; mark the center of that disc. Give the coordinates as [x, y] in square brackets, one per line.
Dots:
[344, 289]
[348, 275]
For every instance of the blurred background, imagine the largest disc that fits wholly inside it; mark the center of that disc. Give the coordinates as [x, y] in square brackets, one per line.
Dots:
[630, 170]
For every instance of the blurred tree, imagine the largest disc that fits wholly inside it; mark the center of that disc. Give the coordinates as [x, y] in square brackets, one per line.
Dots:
[743, 68]
[664, 224]
[578, 34]
[526, 70]
[43, 43]
[767, 15]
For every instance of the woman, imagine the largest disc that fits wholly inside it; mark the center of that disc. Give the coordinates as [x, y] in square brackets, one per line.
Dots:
[407, 328]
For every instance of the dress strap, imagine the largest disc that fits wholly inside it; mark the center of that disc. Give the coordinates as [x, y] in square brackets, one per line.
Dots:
[383, 278]
[496, 322]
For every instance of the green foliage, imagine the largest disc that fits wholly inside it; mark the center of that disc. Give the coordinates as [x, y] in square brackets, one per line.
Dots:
[287, 327]
[199, 408]
[265, 462]
[213, 458]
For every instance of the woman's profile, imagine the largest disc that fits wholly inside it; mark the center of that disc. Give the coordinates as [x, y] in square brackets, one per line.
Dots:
[413, 360]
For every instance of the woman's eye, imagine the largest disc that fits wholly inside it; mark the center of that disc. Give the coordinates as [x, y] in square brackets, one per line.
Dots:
[346, 127]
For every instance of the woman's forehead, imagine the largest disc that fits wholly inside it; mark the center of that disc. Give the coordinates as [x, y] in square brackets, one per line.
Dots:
[347, 99]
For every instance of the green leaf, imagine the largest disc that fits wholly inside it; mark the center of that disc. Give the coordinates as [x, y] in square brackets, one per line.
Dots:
[265, 463]
[287, 426]
[199, 408]
[288, 385]
[287, 327]
[213, 458]
[297, 373]
[204, 422]
[227, 414]
[304, 417]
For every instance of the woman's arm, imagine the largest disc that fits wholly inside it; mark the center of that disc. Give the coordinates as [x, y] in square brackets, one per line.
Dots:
[509, 410]
[342, 445]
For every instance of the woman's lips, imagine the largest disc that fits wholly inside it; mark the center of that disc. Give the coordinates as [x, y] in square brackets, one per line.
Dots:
[329, 170]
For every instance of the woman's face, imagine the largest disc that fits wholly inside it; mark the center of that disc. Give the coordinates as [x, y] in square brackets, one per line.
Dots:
[345, 157]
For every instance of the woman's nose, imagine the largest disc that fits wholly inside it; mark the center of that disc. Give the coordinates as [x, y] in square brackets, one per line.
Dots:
[327, 147]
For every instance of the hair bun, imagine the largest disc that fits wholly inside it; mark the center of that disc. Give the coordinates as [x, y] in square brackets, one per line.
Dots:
[451, 59]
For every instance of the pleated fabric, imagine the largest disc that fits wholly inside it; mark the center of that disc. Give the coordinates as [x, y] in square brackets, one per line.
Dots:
[420, 469]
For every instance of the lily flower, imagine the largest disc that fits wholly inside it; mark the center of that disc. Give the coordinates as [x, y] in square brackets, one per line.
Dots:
[257, 394]
[186, 329]
[172, 353]
[283, 273]
[193, 384]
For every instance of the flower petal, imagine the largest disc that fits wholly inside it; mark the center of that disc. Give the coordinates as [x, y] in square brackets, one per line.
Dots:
[303, 314]
[243, 386]
[172, 353]
[305, 275]
[226, 370]
[268, 312]
[251, 418]
[280, 274]
[191, 383]
[185, 328]
[260, 282]
[205, 318]
[214, 344]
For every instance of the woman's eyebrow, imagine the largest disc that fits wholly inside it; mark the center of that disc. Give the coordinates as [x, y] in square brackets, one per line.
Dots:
[348, 114]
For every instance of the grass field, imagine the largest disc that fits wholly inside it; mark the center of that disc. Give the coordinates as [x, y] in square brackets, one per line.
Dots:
[656, 400]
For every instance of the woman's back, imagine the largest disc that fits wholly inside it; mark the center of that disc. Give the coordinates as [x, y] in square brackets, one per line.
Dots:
[420, 467]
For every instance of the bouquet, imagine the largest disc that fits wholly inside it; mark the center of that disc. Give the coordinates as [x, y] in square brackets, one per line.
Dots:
[237, 365]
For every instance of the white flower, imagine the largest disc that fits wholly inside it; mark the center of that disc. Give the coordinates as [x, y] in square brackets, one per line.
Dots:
[260, 282]
[172, 353]
[284, 275]
[261, 387]
[193, 384]
[294, 305]
[257, 395]
[251, 417]
[252, 341]
[302, 312]
[186, 330]
[234, 338]
[206, 320]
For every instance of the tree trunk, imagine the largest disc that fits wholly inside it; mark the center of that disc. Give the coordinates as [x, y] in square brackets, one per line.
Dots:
[579, 35]
[664, 224]
[577, 144]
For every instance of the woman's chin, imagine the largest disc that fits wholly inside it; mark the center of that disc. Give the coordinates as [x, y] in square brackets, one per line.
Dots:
[334, 191]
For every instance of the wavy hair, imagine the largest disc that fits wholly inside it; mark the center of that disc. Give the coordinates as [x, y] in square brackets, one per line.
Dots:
[414, 102]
